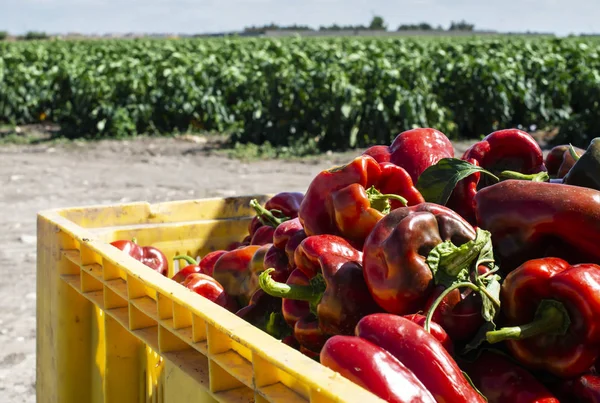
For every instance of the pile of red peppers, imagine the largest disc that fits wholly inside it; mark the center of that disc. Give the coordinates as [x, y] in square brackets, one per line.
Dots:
[426, 277]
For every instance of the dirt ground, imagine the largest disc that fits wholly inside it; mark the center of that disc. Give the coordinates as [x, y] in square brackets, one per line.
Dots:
[42, 176]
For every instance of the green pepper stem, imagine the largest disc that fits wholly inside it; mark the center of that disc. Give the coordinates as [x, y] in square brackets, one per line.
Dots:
[551, 317]
[381, 202]
[311, 293]
[537, 177]
[134, 240]
[265, 216]
[448, 290]
[188, 259]
[271, 325]
[573, 153]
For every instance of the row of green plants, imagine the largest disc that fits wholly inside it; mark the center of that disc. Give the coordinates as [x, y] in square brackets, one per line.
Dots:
[318, 93]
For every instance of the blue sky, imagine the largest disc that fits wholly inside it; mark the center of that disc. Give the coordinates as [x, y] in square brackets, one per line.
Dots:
[199, 16]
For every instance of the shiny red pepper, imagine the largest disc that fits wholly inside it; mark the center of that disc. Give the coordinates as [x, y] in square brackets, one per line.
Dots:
[503, 150]
[281, 207]
[348, 201]
[530, 220]
[205, 266]
[559, 160]
[233, 270]
[414, 150]
[502, 381]
[374, 369]
[210, 289]
[148, 255]
[421, 353]
[552, 310]
[336, 296]
[435, 329]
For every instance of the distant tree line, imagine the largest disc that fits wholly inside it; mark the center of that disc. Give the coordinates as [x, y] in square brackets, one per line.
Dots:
[29, 36]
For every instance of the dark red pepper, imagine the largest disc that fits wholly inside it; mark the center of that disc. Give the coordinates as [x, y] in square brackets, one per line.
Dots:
[148, 255]
[414, 150]
[421, 353]
[234, 272]
[583, 389]
[398, 264]
[552, 310]
[264, 312]
[281, 207]
[530, 220]
[503, 150]
[502, 381]
[559, 160]
[348, 201]
[205, 266]
[374, 369]
[336, 296]
[209, 288]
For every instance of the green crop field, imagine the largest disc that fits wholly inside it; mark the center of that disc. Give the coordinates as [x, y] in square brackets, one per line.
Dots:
[330, 93]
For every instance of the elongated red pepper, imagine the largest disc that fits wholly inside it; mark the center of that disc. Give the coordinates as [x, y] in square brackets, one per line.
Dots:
[421, 353]
[374, 369]
[148, 255]
[412, 250]
[552, 310]
[234, 272]
[336, 297]
[348, 201]
[530, 220]
[210, 289]
[503, 150]
[414, 150]
[436, 331]
[502, 381]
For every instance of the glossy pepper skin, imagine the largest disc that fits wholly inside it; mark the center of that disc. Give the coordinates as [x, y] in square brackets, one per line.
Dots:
[586, 171]
[502, 381]
[502, 150]
[414, 150]
[436, 331]
[209, 288]
[279, 208]
[394, 260]
[552, 311]
[421, 353]
[264, 312]
[205, 266]
[336, 296]
[559, 160]
[148, 255]
[234, 272]
[374, 369]
[336, 202]
[530, 220]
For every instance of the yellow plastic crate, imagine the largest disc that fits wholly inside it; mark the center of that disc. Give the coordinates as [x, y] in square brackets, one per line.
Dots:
[109, 329]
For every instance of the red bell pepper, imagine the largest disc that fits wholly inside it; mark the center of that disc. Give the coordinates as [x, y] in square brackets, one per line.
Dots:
[205, 266]
[503, 150]
[502, 381]
[374, 369]
[336, 296]
[209, 288]
[233, 270]
[347, 201]
[552, 309]
[530, 220]
[414, 249]
[148, 255]
[421, 353]
[559, 160]
[414, 150]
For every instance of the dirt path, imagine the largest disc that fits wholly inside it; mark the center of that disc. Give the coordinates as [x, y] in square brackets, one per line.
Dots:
[38, 177]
